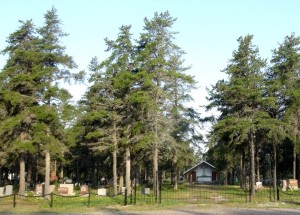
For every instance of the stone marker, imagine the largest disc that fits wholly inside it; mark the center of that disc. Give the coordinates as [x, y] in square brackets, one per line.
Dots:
[84, 189]
[146, 191]
[52, 188]
[70, 188]
[39, 189]
[62, 190]
[1, 191]
[102, 192]
[292, 184]
[258, 185]
[8, 190]
[284, 185]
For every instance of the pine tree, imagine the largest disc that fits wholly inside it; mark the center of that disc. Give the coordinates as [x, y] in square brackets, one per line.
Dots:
[107, 119]
[160, 71]
[18, 96]
[56, 65]
[240, 100]
[283, 79]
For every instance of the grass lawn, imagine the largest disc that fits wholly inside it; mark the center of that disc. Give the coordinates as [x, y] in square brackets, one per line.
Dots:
[200, 197]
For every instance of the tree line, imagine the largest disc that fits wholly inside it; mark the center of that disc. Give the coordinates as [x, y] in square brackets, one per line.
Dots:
[133, 121]
[257, 131]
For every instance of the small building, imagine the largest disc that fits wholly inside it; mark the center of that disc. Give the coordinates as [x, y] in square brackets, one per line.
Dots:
[203, 172]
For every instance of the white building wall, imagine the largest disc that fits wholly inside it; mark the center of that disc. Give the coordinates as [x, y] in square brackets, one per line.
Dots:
[203, 174]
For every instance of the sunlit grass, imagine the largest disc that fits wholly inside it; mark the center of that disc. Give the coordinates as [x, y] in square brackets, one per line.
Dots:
[196, 195]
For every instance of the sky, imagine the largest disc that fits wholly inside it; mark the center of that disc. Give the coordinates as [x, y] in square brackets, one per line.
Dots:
[207, 29]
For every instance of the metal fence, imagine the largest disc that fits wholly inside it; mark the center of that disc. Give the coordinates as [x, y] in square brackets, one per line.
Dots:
[192, 194]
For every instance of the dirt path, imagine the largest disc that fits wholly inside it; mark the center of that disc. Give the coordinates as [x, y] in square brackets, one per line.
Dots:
[186, 211]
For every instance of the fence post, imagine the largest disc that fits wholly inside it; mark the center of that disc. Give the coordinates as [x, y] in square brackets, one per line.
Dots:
[14, 203]
[89, 199]
[51, 200]
[125, 197]
[278, 194]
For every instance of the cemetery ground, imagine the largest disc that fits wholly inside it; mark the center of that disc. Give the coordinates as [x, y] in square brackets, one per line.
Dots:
[186, 200]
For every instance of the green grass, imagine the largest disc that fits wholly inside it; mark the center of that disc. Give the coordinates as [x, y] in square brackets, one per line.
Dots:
[197, 196]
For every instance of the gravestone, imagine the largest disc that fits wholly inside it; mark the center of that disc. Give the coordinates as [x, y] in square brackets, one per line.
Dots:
[292, 184]
[52, 188]
[70, 188]
[123, 190]
[62, 190]
[8, 190]
[284, 185]
[258, 185]
[1, 191]
[39, 189]
[146, 191]
[102, 192]
[84, 189]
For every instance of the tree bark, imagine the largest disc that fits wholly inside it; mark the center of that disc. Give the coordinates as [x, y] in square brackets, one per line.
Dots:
[29, 171]
[22, 175]
[115, 174]
[47, 173]
[155, 169]
[294, 161]
[175, 175]
[121, 182]
[128, 170]
[252, 165]
[225, 177]
[257, 166]
[275, 170]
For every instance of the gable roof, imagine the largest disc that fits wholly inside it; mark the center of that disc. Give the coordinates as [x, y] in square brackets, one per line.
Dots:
[199, 165]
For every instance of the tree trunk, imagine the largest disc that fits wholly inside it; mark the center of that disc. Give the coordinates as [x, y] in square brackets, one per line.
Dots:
[275, 170]
[128, 164]
[155, 160]
[243, 171]
[175, 174]
[252, 165]
[121, 182]
[61, 174]
[294, 161]
[22, 175]
[257, 166]
[115, 174]
[47, 173]
[225, 178]
[29, 171]
[155, 169]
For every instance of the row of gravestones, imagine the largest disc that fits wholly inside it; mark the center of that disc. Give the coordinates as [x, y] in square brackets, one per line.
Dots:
[6, 191]
[67, 189]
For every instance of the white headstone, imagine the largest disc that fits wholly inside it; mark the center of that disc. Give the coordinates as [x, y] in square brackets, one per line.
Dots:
[1, 191]
[102, 192]
[146, 191]
[258, 185]
[70, 188]
[8, 190]
[39, 189]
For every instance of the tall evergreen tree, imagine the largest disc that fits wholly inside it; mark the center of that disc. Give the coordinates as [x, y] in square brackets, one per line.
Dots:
[18, 96]
[56, 66]
[240, 100]
[155, 46]
[283, 79]
[107, 115]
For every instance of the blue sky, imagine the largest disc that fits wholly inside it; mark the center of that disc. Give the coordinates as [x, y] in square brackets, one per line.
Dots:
[208, 30]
